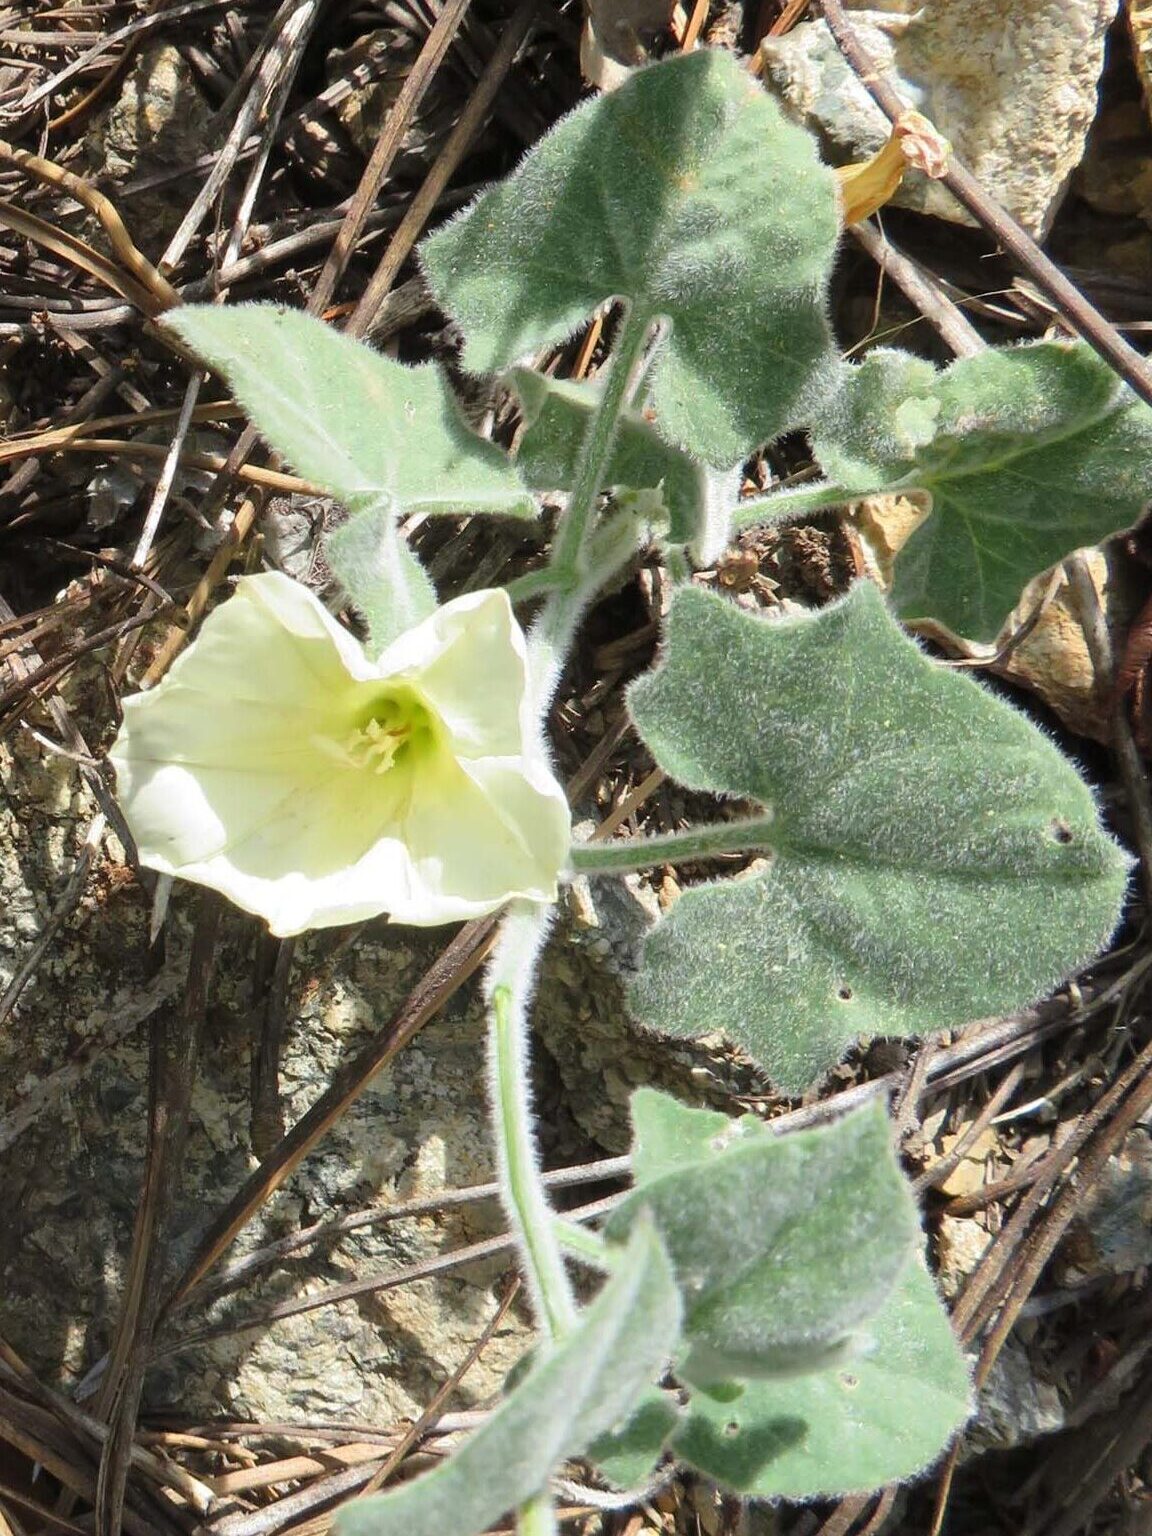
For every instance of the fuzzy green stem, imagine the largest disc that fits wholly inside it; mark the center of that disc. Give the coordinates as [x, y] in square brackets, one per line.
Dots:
[676, 564]
[609, 549]
[537, 1517]
[522, 589]
[509, 989]
[599, 440]
[810, 497]
[581, 1244]
[671, 847]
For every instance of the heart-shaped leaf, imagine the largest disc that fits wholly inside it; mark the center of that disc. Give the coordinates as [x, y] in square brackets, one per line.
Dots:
[688, 194]
[935, 858]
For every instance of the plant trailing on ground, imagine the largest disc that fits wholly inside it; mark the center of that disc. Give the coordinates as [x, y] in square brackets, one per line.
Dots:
[927, 856]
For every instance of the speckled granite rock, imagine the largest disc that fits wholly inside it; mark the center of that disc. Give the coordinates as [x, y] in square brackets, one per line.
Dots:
[1016, 1406]
[1112, 1233]
[73, 1087]
[1012, 83]
[73, 1098]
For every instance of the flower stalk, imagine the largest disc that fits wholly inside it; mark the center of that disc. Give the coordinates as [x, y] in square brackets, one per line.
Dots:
[509, 989]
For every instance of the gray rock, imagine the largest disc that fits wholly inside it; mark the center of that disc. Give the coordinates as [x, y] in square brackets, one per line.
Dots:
[159, 122]
[73, 1095]
[582, 1019]
[1012, 84]
[1112, 1233]
[1015, 1406]
[73, 1101]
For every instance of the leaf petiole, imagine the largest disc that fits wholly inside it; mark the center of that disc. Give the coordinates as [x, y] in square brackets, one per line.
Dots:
[789, 502]
[672, 847]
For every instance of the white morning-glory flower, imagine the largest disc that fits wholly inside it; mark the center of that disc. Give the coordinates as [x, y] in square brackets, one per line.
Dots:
[313, 786]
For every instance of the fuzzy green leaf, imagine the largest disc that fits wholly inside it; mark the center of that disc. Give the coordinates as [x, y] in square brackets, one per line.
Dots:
[557, 413]
[687, 193]
[1028, 453]
[365, 428]
[381, 575]
[782, 1244]
[627, 1456]
[935, 859]
[588, 1386]
[882, 1416]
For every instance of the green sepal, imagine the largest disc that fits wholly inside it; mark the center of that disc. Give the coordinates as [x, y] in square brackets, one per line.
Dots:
[381, 575]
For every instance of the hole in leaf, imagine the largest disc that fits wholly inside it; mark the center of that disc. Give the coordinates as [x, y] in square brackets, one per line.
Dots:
[1060, 831]
[845, 994]
[731, 1428]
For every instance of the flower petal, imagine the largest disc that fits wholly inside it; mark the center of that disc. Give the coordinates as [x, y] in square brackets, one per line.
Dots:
[482, 833]
[468, 660]
[236, 771]
[288, 607]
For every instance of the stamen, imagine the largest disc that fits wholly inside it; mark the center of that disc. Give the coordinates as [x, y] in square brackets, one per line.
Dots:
[375, 745]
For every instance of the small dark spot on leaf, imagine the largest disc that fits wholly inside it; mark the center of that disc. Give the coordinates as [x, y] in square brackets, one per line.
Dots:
[1060, 831]
[849, 1381]
[845, 994]
[731, 1428]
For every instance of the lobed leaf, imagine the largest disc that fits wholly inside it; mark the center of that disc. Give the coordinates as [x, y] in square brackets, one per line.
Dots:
[783, 1244]
[367, 429]
[688, 194]
[587, 1387]
[1028, 453]
[936, 858]
[883, 1416]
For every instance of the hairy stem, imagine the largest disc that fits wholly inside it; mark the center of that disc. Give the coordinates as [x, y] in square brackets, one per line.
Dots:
[676, 564]
[537, 1517]
[509, 989]
[770, 508]
[671, 847]
[599, 440]
[609, 549]
[533, 584]
[579, 1243]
